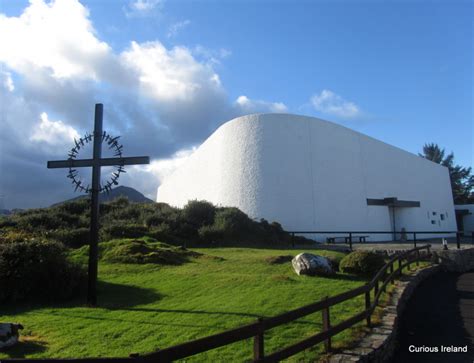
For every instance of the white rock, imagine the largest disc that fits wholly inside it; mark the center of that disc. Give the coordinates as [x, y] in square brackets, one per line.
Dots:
[9, 334]
[308, 264]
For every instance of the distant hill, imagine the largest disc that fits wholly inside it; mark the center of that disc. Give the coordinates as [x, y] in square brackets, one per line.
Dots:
[132, 195]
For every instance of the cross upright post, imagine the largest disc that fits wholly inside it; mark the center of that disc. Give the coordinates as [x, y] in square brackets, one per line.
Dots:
[96, 163]
[94, 233]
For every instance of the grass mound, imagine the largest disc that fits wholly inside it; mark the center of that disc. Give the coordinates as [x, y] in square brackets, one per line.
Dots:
[137, 251]
[276, 260]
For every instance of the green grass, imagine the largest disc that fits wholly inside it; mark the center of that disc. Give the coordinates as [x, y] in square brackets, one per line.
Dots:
[144, 307]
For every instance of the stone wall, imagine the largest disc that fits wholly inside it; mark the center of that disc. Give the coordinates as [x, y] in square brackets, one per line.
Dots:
[380, 344]
[455, 260]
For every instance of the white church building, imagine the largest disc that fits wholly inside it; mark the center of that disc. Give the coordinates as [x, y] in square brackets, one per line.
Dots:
[313, 175]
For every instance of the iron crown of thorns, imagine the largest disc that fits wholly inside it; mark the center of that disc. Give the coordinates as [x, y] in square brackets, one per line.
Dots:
[114, 145]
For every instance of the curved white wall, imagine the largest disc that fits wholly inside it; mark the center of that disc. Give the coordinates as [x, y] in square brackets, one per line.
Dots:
[310, 174]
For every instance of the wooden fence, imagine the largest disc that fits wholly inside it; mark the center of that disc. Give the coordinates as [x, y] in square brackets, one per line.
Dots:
[372, 291]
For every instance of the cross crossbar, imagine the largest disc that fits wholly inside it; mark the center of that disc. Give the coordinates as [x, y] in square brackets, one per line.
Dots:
[71, 163]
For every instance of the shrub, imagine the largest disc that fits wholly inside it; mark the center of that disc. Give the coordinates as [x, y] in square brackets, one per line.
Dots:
[364, 263]
[199, 213]
[117, 230]
[38, 270]
[232, 223]
[78, 206]
[47, 219]
[14, 236]
[211, 234]
[7, 222]
[73, 238]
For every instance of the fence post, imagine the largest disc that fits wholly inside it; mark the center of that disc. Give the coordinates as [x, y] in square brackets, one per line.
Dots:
[292, 239]
[350, 240]
[418, 257]
[376, 289]
[472, 237]
[414, 239]
[391, 273]
[400, 266]
[326, 326]
[367, 307]
[258, 343]
[458, 240]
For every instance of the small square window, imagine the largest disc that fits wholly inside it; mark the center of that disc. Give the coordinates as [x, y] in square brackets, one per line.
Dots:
[434, 213]
[442, 217]
[433, 222]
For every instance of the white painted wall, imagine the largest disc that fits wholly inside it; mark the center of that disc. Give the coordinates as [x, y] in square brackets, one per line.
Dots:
[310, 174]
[468, 220]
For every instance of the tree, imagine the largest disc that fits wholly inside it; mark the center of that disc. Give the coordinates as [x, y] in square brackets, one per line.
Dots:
[462, 181]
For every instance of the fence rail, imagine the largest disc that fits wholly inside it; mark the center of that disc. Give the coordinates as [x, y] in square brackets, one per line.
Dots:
[372, 291]
[352, 235]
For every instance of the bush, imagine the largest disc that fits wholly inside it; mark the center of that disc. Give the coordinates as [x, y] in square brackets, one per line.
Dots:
[73, 238]
[211, 234]
[10, 236]
[47, 219]
[363, 263]
[78, 206]
[199, 213]
[232, 223]
[129, 230]
[38, 270]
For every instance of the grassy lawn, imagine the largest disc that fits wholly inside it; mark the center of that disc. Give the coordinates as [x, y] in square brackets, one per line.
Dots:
[146, 307]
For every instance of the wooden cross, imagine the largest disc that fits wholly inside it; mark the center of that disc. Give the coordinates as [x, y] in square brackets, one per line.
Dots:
[96, 162]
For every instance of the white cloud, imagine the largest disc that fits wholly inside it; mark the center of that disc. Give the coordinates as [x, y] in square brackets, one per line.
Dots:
[7, 81]
[330, 103]
[140, 8]
[211, 56]
[161, 168]
[168, 75]
[247, 105]
[53, 132]
[175, 28]
[146, 178]
[57, 36]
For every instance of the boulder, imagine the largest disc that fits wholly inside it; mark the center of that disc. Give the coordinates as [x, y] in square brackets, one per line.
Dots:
[9, 334]
[309, 264]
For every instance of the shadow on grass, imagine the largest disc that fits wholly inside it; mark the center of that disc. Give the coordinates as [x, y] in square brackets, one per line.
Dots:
[25, 347]
[109, 295]
[117, 296]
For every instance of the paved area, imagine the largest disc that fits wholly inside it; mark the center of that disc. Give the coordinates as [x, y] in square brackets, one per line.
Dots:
[439, 314]
[393, 246]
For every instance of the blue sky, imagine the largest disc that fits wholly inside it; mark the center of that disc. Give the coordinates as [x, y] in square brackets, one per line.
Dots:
[399, 71]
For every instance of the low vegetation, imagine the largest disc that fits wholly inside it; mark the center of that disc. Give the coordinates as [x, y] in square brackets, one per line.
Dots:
[38, 270]
[198, 224]
[365, 263]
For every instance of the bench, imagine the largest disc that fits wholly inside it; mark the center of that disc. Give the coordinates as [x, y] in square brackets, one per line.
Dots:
[333, 239]
[362, 239]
